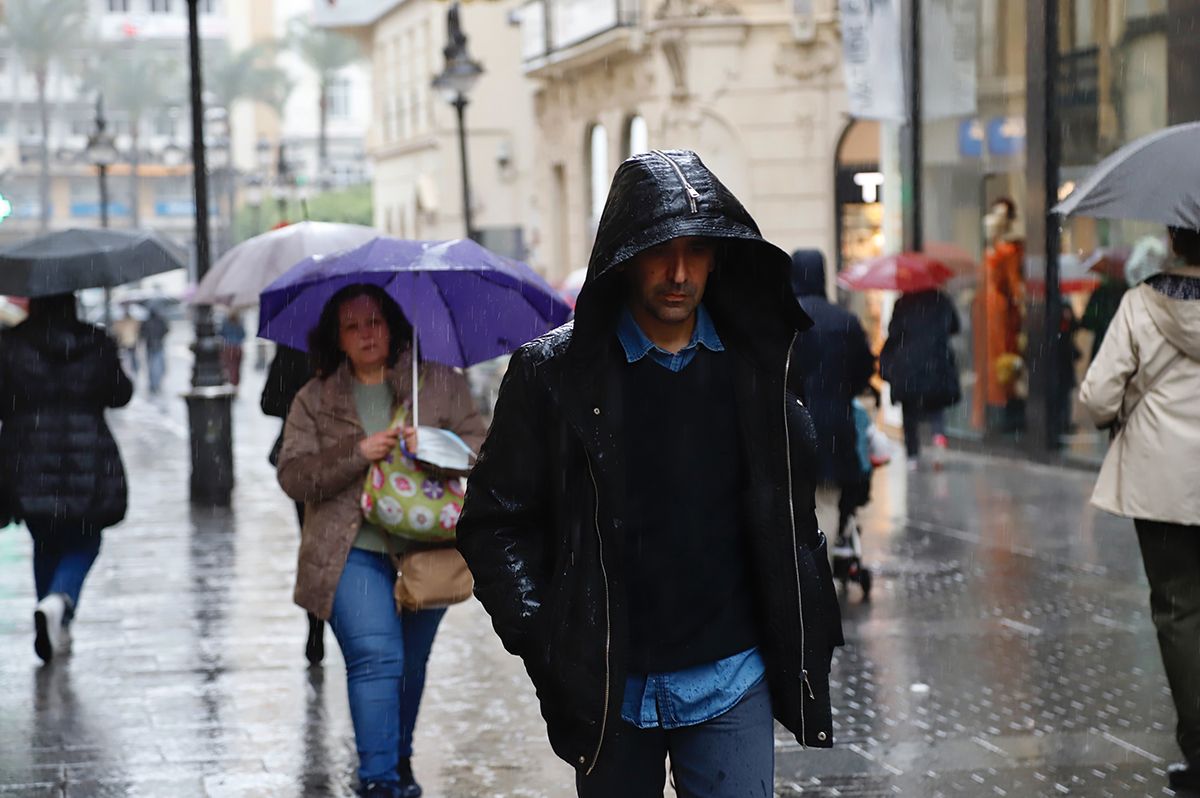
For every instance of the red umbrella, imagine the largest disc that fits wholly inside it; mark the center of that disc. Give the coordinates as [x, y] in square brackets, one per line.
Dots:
[907, 271]
[1109, 261]
[952, 255]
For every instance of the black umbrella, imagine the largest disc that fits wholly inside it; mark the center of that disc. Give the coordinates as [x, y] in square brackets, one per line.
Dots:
[70, 260]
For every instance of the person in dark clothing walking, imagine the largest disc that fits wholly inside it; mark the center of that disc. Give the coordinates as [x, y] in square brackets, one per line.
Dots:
[154, 335]
[59, 464]
[640, 522]
[289, 371]
[920, 365]
[836, 362]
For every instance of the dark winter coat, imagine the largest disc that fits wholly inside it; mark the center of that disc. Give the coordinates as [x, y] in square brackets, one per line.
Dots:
[543, 525]
[916, 359]
[57, 456]
[290, 370]
[836, 362]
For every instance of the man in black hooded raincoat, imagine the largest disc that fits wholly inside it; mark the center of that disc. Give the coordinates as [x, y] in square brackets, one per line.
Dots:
[640, 523]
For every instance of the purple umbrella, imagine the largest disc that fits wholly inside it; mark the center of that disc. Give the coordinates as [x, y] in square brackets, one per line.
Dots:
[466, 303]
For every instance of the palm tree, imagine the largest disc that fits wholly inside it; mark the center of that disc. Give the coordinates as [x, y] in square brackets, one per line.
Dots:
[249, 74]
[139, 82]
[44, 33]
[326, 53]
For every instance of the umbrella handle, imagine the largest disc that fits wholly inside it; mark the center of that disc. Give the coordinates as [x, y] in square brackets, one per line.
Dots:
[415, 384]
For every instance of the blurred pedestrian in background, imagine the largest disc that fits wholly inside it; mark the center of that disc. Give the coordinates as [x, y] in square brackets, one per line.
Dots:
[339, 424]
[920, 366]
[1101, 308]
[154, 335]
[59, 464]
[126, 330]
[1144, 385]
[290, 370]
[836, 362]
[233, 337]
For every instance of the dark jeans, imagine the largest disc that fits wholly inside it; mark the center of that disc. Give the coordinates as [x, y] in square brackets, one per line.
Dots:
[63, 553]
[913, 415]
[1171, 556]
[385, 655]
[730, 756]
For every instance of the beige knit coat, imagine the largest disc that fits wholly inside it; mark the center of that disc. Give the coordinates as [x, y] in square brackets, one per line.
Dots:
[321, 466]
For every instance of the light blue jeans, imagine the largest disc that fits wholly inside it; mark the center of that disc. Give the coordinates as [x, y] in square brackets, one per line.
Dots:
[385, 655]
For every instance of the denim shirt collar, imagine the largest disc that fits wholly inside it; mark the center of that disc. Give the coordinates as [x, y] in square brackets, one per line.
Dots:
[637, 345]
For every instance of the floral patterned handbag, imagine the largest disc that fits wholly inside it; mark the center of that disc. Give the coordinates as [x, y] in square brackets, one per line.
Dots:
[406, 501]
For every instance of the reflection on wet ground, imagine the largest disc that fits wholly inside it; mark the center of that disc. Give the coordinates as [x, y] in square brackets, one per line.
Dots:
[1007, 650]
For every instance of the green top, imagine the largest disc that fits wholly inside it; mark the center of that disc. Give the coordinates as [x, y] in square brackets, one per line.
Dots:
[374, 404]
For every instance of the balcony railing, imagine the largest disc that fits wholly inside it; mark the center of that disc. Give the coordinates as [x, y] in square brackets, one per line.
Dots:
[548, 26]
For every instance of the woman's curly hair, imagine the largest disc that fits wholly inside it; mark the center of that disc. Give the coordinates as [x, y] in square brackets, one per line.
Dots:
[324, 342]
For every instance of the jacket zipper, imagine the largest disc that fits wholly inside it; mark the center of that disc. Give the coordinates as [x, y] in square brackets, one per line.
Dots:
[692, 194]
[796, 557]
[607, 623]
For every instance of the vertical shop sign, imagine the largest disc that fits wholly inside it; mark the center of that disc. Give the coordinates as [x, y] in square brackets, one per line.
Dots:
[948, 69]
[872, 55]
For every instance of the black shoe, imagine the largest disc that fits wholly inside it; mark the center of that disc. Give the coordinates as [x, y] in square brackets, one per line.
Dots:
[408, 785]
[314, 649]
[379, 789]
[1184, 776]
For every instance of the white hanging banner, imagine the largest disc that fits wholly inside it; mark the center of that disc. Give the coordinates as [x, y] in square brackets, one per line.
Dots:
[872, 57]
[948, 38]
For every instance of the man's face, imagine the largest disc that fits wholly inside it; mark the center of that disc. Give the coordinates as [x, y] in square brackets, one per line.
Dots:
[667, 281]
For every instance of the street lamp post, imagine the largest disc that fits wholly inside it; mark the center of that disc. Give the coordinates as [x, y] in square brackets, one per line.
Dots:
[211, 399]
[102, 153]
[455, 83]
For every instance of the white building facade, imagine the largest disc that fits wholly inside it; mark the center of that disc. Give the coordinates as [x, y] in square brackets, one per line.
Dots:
[413, 140]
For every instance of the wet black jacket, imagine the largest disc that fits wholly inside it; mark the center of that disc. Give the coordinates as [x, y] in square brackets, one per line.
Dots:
[289, 372]
[543, 524]
[57, 456]
[917, 360]
[836, 362]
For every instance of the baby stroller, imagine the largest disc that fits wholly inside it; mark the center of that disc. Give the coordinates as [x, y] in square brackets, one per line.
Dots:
[874, 450]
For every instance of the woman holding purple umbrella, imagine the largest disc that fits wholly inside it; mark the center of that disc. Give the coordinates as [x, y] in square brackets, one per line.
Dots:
[339, 424]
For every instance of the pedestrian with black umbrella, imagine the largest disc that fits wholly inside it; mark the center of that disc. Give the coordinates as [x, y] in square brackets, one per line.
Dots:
[59, 463]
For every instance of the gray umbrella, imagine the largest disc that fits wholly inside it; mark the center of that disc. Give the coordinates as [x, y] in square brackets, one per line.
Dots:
[70, 260]
[1155, 178]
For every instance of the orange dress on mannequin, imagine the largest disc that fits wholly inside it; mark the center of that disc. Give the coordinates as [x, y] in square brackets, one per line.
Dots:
[997, 326]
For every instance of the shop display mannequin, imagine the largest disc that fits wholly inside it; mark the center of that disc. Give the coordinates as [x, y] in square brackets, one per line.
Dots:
[999, 367]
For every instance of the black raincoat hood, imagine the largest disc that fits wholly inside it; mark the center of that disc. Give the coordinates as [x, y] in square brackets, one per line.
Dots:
[661, 195]
[808, 273]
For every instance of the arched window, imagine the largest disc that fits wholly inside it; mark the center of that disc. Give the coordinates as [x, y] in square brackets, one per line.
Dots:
[637, 137]
[598, 173]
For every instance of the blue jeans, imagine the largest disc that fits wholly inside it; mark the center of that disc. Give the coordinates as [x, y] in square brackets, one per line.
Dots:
[63, 553]
[385, 655]
[156, 366]
[730, 756]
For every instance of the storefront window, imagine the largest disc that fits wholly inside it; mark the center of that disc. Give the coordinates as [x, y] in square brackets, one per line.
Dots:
[973, 188]
[1112, 89]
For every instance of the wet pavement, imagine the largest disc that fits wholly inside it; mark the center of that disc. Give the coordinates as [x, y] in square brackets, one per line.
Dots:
[1007, 650]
